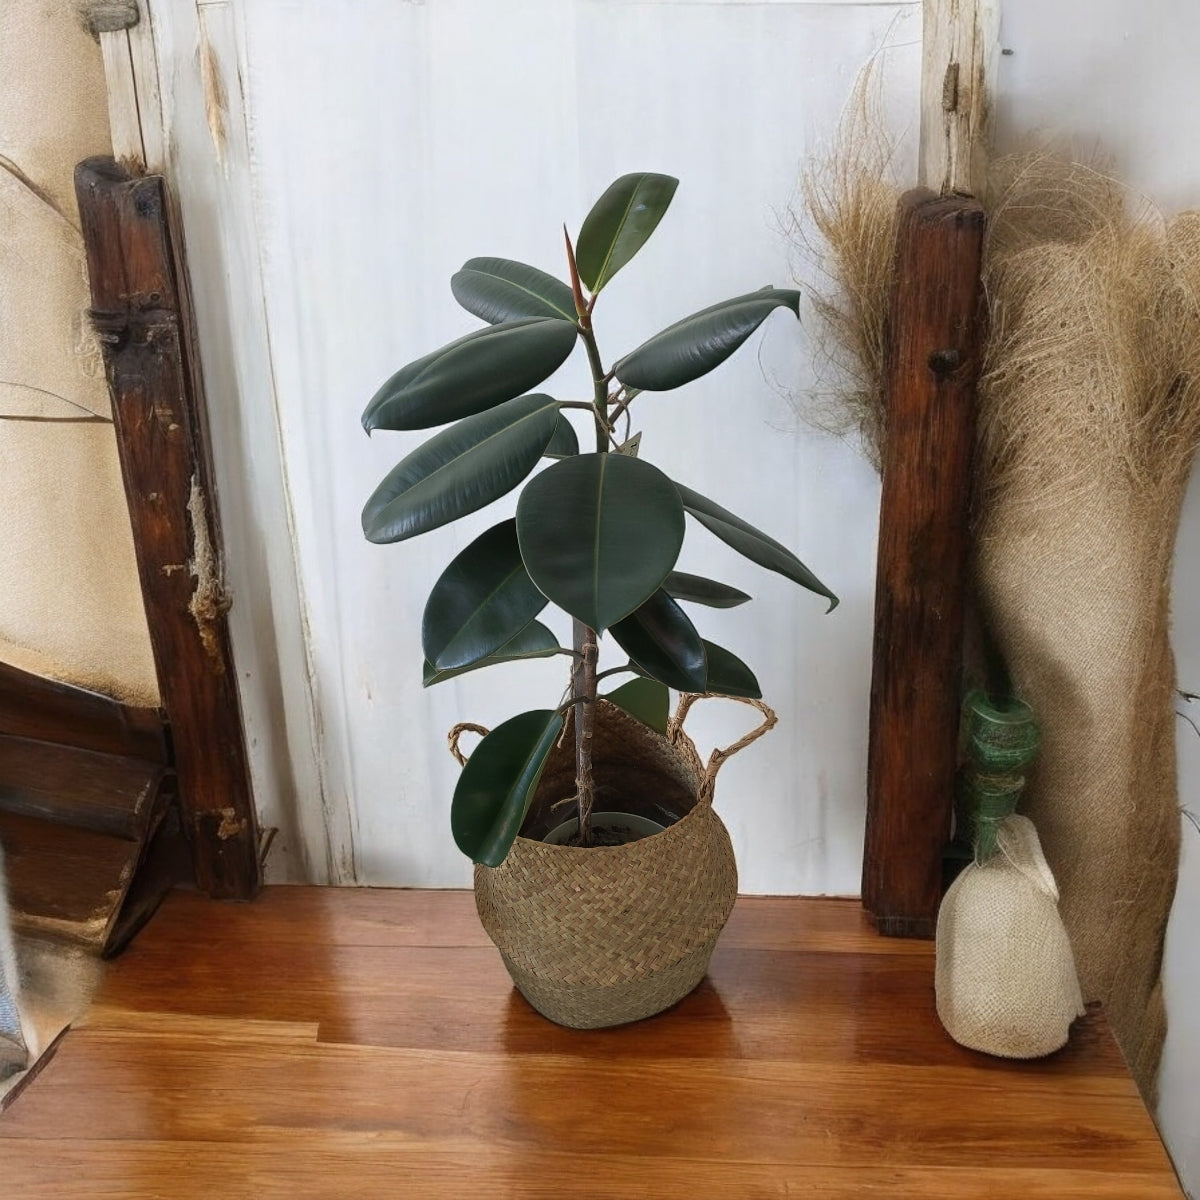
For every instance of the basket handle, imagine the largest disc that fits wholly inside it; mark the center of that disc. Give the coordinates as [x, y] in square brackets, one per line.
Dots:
[718, 756]
[457, 732]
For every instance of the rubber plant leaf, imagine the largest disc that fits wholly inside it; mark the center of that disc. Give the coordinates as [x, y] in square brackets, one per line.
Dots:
[728, 675]
[498, 289]
[699, 590]
[659, 638]
[483, 599]
[620, 223]
[496, 785]
[534, 641]
[565, 442]
[461, 469]
[645, 699]
[599, 533]
[752, 543]
[472, 374]
[694, 346]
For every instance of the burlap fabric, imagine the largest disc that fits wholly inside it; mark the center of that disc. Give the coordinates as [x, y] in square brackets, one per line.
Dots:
[607, 935]
[1005, 976]
[1090, 414]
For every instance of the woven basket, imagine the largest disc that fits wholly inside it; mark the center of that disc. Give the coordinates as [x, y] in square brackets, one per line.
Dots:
[611, 934]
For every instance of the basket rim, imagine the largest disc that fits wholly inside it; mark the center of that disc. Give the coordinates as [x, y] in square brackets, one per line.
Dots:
[591, 850]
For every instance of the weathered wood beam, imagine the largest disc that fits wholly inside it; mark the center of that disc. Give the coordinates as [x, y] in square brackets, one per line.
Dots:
[961, 42]
[922, 563]
[139, 310]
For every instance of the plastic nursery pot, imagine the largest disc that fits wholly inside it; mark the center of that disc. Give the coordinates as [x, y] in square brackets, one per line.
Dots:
[626, 827]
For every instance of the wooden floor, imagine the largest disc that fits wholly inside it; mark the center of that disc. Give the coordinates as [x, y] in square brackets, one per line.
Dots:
[344, 1044]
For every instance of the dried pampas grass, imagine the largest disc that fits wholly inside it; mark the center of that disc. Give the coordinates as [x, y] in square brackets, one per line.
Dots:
[852, 205]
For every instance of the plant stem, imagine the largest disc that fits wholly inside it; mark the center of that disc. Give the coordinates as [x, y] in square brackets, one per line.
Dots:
[585, 723]
[586, 641]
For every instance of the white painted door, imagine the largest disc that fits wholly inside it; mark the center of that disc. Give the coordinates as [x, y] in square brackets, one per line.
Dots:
[364, 152]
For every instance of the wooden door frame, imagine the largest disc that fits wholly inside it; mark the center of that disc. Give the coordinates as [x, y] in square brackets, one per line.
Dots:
[175, 75]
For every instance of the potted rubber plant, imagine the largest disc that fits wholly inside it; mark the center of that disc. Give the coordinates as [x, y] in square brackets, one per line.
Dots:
[602, 873]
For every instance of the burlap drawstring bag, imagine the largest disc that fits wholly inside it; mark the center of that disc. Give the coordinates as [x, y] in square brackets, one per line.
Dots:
[1005, 977]
[611, 934]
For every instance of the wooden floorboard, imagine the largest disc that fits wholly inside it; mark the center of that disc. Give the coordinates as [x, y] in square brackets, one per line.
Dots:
[337, 1043]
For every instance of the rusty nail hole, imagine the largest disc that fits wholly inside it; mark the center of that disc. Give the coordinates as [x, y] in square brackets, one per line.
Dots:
[942, 362]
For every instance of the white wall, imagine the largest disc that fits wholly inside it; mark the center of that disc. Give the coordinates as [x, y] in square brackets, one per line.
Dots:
[386, 151]
[1119, 80]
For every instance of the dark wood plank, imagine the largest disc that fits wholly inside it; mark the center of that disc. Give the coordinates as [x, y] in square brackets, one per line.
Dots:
[140, 315]
[247, 1060]
[933, 364]
[69, 786]
[166, 862]
[49, 711]
[78, 884]
[63, 882]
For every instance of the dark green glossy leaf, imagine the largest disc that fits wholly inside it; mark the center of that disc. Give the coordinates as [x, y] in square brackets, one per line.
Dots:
[599, 533]
[659, 638]
[752, 543]
[497, 784]
[461, 469]
[471, 375]
[699, 590]
[620, 223]
[483, 599]
[694, 346]
[564, 443]
[646, 699]
[534, 641]
[498, 289]
[728, 675]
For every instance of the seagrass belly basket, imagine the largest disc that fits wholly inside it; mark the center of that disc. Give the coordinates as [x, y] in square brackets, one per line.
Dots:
[610, 934]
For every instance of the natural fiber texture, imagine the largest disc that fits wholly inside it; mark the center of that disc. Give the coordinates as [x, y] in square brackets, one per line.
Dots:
[1005, 979]
[1089, 422]
[606, 935]
[1090, 417]
[853, 208]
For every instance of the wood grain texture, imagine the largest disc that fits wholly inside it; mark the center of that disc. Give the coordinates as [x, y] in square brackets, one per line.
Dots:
[960, 50]
[69, 786]
[65, 883]
[933, 364]
[141, 316]
[34, 707]
[352, 1044]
